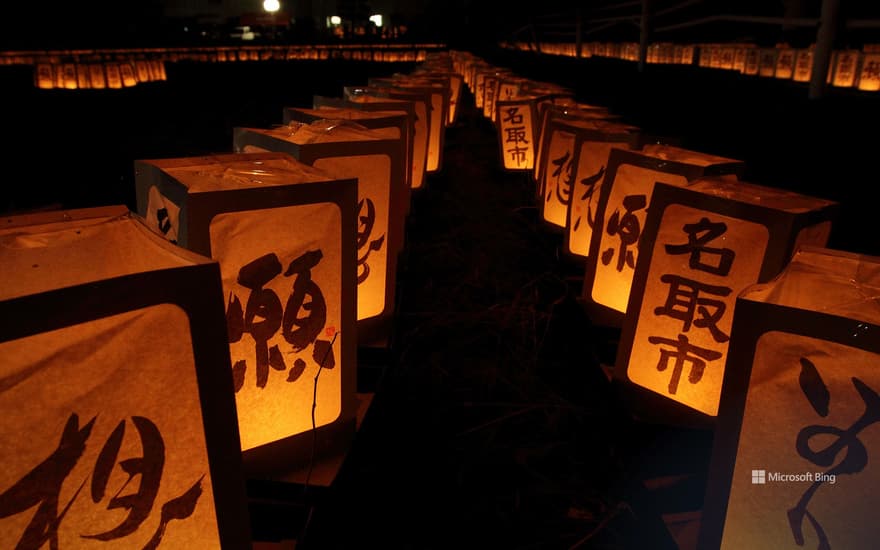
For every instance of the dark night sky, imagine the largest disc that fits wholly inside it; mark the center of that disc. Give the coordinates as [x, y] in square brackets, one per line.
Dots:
[134, 23]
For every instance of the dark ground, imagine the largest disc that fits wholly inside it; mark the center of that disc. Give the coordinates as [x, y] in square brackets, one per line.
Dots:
[493, 425]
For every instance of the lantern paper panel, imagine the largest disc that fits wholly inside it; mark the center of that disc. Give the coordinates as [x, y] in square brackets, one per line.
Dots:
[703, 245]
[374, 157]
[516, 132]
[803, 66]
[367, 97]
[794, 463]
[283, 234]
[592, 147]
[89, 372]
[869, 75]
[622, 208]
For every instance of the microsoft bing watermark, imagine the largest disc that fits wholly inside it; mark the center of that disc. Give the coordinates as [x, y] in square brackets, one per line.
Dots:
[762, 477]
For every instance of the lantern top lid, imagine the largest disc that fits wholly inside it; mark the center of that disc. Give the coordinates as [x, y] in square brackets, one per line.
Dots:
[677, 154]
[238, 171]
[825, 281]
[327, 131]
[750, 193]
[59, 249]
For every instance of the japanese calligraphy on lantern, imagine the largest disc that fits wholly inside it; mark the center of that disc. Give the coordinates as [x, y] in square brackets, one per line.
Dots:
[282, 316]
[373, 173]
[581, 220]
[558, 177]
[95, 457]
[812, 411]
[869, 77]
[517, 143]
[621, 229]
[803, 66]
[699, 263]
[846, 63]
[785, 63]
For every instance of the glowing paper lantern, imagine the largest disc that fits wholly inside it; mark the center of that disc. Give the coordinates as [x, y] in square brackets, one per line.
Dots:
[752, 67]
[375, 158]
[284, 236]
[44, 76]
[417, 142]
[703, 244]
[438, 105]
[869, 76]
[454, 80]
[422, 150]
[375, 120]
[96, 75]
[803, 66]
[785, 63]
[767, 62]
[114, 76]
[794, 458]
[556, 148]
[845, 68]
[517, 132]
[116, 415]
[547, 112]
[620, 215]
[593, 143]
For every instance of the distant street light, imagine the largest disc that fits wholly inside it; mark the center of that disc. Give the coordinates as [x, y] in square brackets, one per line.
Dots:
[271, 6]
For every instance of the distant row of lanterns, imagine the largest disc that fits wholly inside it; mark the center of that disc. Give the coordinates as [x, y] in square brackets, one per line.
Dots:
[732, 314]
[98, 69]
[212, 336]
[849, 68]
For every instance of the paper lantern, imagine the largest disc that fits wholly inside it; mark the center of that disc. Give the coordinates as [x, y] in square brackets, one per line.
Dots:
[417, 142]
[375, 158]
[752, 62]
[284, 236]
[869, 75]
[803, 66]
[454, 80]
[398, 121]
[845, 68]
[703, 244]
[592, 146]
[555, 156]
[117, 414]
[114, 76]
[44, 76]
[517, 132]
[785, 63]
[620, 215]
[548, 111]
[421, 130]
[794, 457]
[437, 97]
[767, 62]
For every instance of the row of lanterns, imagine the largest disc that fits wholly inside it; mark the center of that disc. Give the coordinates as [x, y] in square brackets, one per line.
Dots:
[733, 315]
[91, 69]
[155, 360]
[849, 68]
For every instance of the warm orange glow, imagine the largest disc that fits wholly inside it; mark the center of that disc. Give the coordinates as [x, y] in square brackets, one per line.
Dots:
[516, 130]
[558, 178]
[611, 286]
[748, 241]
[869, 77]
[267, 410]
[785, 64]
[803, 67]
[591, 164]
[846, 64]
